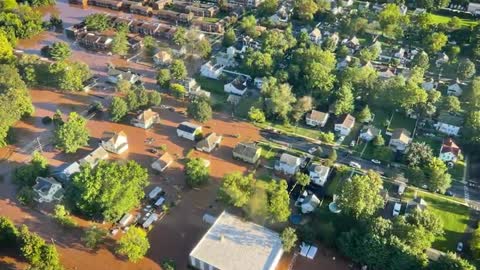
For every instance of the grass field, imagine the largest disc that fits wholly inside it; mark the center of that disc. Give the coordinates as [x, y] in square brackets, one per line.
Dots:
[437, 19]
[454, 216]
[457, 170]
[434, 144]
[402, 121]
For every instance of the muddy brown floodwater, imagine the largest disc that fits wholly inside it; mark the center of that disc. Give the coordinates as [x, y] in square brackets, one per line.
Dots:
[175, 235]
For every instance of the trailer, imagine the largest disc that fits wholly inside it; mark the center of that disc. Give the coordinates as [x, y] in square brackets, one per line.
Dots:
[159, 202]
[126, 219]
[152, 218]
[154, 193]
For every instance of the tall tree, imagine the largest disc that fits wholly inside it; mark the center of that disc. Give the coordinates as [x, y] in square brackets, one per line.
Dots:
[303, 105]
[60, 51]
[73, 134]
[289, 238]
[134, 244]
[229, 37]
[98, 22]
[305, 9]
[451, 261]
[197, 172]
[120, 43]
[435, 42]
[25, 175]
[360, 197]
[280, 103]
[118, 109]
[178, 70]
[200, 109]
[258, 63]
[6, 49]
[344, 100]
[418, 154]
[180, 36]
[237, 189]
[466, 69]
[249, 25]
[278, 201]
[472, 96]
[94, 236]
[451, 104]
[437, 175]
[471, 132]
[164, 77]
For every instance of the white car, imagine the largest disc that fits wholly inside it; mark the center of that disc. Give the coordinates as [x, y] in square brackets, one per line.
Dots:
[376, 161]
[459, 246]
[355, 165]
[312, 150]
[396, 209]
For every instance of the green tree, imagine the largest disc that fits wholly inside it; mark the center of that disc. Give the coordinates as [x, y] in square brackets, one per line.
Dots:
[383, 153]
[258, 63]
[109, 190]
[343, 100]
[422, 60]
[204, 48]
[197, 172]
[237, 189]
[73, 134]
[465, 69]
[8, 233]
[451, 104]
[68, 76]
[391, 21]
[164, 77]
[435, 42]
[278, 201]
[26, 196]
[123, 86]
[332, 156]
[154, 98]
[471, 131]
[437, 175]
[178, 70]
[451, 261]
[472, 95]
[431, 222]
[289, 238]
[280, 102]
[8, 5]
[98, 22]
[301, 179]
[178, 90]
[26, 175]
[150, 45]
[327, 137]
[6, 49]
[301, 106]
[268, 7]
[256, 115]
[60, 51]
[132, 101]
[200, 109]
[180, 36]
[360, 197]
[120, 43]
[229, 38]
[305, 9]
[62, 216]
[418, 154]
[249, 25]
[364, 115]
[94, 236]
[134, 244]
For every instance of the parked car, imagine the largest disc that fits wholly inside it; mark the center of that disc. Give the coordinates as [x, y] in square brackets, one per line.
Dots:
[312, 150]
[459, 246]
[449, 193]
[376, 161]
[355, 165]
[396, 209]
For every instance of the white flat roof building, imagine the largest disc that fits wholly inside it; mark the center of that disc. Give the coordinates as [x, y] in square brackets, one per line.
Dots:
[234, 244]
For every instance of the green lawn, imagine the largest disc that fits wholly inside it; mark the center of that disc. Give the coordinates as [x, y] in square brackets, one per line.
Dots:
[381, 116]
[300, 129]
[333, 186]
[242, 108]
[457, 170]
[402, 121]
[211, 85]
[434, 144]
[437, 19]
[454, 216]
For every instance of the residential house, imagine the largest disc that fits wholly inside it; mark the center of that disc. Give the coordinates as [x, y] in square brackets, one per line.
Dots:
[416, 203]
[94, 157]
[449, 151]
[403, 10]
[111, 4]
[162, 58]
[316, 36]
[316, 118]
[142, 10]
[344, 63]
[336, 8]
[309, 204]
[95, 42]
[188, 130]
[346, 3]
[116, 75]
[230, 240]
[160, 4]
[238, 86]
[400, 53]
[247, 151]
[115, 142]
[449, 124]
[352, 43]
[400, 139]
[345, 124]
[442, 59]
[318, 174]
[210, 70]
[47, 189]
[429, 85]
[135, 42]
[162, 163]
[288, 164]
[146, 119]
[368, 133]
[474, 8]
[75, 30]
[454, 90]
[386, 73]
[210, 142]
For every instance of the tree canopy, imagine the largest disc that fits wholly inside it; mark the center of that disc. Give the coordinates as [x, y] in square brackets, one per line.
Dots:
[73, 134]
[134, 244]
[236, 188]
[197, 172]
[199, 109]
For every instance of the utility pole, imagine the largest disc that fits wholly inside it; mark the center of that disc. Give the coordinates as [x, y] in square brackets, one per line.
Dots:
[39, 144]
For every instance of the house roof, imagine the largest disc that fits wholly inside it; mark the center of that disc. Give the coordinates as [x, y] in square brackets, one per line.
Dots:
[449, 146]
[188, 127]
[347, 121]
[401, 134]
[230, 240]
[107, 136]
[317, 116]
[370, 130]
[450, 119]
[316, 33]
[240, 83]
[163, 55]
[147, 115]
[209, 141]
[43, 184]
[94, 157]
[289, 159]
[320, 170]
[455, 87]
[246, 149]
[164, 160]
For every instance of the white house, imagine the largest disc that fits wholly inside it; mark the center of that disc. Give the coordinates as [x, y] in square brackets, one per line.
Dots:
[288, 164]
[442, 59]
[188, 130]
[210, 70]
[454, 90]
[429, 85]
[146, 119]
[316, 118]
[345, 124]
[316, 36]
[318, 174]
[400, 53]
[162, 163]
[238, 86]
[47, 189]
[449, 124]
[369, 133]
[233, 243]
[116, 75]
[473, 8]
[209, 143]
[400, 139]
[309, 204]
[344, 63]
[449, 151]
[115, 142]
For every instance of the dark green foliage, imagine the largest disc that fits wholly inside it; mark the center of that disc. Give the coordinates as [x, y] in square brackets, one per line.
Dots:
[197, 173]
[8, 233]
[98, 22]
[73, 134]
[25, 175]
[200, 109]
